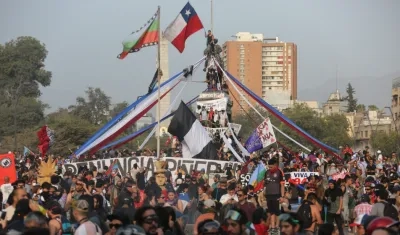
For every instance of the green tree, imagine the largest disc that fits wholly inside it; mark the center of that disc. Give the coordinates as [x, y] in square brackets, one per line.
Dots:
[118, 108]
[95, 108]
[332, 130]
[336, 130]
[386, 142]
[373, 107]
[352, 101]
[21, 75]
[360, 108]
[70, 131]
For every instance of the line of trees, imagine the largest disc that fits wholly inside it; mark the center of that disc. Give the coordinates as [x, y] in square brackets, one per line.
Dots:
[22, 113]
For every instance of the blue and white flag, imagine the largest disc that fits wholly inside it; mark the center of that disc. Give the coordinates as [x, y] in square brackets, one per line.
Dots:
[27, 151]
[262, 137]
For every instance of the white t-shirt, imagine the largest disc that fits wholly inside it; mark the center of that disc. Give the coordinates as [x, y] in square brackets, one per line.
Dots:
[6, 190]
[227, 197]
[88, 228]
[9, 212]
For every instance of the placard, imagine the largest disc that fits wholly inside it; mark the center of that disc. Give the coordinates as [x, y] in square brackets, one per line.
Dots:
[217, 104]
[301, 177]
[125, 164]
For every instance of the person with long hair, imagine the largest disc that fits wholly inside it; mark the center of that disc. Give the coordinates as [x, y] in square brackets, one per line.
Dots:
[173, 201]
[334, 200]
[173, 221]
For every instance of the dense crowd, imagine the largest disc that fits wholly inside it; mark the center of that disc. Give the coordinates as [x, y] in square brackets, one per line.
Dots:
[358, 192]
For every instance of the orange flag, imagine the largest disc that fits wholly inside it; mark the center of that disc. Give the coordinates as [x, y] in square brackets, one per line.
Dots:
[7, 167]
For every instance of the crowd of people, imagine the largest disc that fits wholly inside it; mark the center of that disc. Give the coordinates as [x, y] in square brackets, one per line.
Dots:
[357, 192]
[360, 194]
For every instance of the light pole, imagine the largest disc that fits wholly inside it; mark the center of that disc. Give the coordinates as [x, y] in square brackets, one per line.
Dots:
[212, 16]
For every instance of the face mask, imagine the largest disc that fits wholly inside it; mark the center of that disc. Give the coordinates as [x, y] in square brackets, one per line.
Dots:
[104, 191]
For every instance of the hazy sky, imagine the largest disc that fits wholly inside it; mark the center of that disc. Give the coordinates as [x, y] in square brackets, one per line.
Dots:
[84, 37]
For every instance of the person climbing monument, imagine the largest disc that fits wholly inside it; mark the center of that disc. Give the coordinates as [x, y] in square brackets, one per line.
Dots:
[213, 50]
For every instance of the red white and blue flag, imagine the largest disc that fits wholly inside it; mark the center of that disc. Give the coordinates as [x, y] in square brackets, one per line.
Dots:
[185, 24]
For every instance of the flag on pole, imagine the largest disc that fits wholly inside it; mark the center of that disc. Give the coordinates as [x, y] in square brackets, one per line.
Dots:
[27, 151]
[46, 139]
[149, 37]
[7, 166]
[257, 177]
[262, 137]
[196, 143]
[185, 24]
[112, 168]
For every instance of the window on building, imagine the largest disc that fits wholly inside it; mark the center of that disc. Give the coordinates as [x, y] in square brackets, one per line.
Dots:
[366, 134]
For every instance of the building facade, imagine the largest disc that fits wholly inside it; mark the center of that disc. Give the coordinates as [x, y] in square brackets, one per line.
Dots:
[365, 124]
[334, 104]
[266, 66]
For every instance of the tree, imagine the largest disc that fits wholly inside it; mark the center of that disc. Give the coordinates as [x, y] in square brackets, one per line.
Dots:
[332, 130]
[336, 129]
[360, 108]
[386, 142]
[21, 74]
[70, 131]
[352, 101]
[373, 107]
[96, 109]
[118, 108]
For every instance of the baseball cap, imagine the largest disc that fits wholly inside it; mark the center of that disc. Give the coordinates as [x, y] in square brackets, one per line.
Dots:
[209, 203]
[114, 217]
[357, 221]
[396, 188]
[81, 205]
[127, 201]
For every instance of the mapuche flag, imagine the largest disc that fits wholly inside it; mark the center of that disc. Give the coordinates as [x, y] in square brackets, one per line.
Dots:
[149, 37]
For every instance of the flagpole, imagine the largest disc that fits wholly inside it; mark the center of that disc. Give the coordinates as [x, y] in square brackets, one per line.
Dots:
[212, 17]
[159, 83]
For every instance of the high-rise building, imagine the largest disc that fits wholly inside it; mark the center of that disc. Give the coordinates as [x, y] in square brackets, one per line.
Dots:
[267, 66]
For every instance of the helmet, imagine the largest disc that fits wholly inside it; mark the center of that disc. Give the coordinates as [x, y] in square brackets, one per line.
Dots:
[381, 222]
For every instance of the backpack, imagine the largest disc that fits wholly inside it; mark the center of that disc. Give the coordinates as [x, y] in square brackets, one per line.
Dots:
[304, 214]
[66, 225]
[390, 211]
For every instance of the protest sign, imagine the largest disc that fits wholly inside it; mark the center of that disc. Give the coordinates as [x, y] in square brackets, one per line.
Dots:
[300, 177]
[339, 175]
[126, 164]
[262, 137]
[217, 104]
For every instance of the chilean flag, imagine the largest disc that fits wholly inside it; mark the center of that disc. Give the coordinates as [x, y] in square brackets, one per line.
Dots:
[185, 24]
